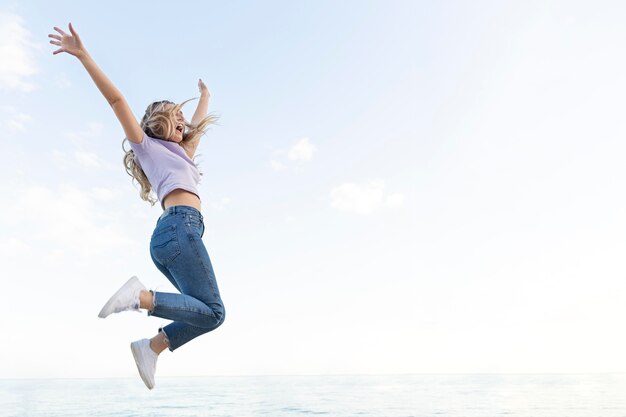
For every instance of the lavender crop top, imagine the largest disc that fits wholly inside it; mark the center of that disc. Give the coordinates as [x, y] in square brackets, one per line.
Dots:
[166, 165]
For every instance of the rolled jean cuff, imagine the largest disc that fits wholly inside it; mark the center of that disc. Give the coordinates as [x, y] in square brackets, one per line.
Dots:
[167, 339]
[153, 303]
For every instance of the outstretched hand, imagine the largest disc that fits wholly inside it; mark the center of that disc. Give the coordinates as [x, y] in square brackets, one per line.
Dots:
[204, 91]
[68, 43]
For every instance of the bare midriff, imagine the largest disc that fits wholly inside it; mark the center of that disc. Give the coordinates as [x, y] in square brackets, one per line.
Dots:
[180, 197]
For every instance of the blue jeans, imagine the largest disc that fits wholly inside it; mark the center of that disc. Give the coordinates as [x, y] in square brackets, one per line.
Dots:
[177, 251]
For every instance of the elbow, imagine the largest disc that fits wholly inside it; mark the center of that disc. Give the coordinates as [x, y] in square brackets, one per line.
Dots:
[114, 100]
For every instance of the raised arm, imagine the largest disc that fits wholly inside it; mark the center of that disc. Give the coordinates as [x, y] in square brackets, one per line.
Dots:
[201, 112]
[203, 104]
[72, 44]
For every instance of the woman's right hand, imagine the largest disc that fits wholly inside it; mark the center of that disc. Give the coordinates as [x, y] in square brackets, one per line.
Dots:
[68, 43]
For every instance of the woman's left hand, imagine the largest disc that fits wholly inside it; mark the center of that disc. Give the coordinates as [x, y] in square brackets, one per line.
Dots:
[204, 91]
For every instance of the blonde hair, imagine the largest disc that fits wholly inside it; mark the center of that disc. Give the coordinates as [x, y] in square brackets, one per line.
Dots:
[158, 122]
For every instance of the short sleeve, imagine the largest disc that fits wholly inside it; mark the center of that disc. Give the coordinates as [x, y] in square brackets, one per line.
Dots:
[143, 147]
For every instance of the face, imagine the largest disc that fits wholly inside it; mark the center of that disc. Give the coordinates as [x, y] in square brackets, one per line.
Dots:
[179, 121]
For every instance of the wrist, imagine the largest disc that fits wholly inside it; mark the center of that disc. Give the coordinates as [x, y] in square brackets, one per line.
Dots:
[82, 56]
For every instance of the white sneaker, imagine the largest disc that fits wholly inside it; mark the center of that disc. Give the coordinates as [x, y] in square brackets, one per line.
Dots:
[126, 298]
[146, 359]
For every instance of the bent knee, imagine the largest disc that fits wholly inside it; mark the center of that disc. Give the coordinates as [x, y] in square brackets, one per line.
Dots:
[221, 315]
[214, 321]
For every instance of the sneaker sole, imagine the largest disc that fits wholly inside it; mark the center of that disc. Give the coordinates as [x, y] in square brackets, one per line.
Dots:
[103, 312]
[136, 357]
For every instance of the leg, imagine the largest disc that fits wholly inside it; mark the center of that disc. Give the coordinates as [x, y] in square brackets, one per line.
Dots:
[159, 343]
[146, 300]
[198, 309]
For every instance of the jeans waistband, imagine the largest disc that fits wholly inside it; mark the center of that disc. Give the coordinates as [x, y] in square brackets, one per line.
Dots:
[181, 209]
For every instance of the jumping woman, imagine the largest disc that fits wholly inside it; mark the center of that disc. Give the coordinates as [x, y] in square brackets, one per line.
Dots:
[160, 158]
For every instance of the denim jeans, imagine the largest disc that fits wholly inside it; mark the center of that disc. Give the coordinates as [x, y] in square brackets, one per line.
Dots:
[177, 250]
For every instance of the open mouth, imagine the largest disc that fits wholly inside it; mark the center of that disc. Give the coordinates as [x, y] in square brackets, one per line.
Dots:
[180, 127]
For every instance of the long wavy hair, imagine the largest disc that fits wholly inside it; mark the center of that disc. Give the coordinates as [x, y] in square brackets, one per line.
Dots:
[159, 122]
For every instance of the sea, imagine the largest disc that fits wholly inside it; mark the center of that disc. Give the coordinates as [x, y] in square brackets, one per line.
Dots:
[484, 395]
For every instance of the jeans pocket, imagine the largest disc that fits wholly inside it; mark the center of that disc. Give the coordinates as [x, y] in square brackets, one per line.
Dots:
[164, 245]
[193, 220]
[194, 224]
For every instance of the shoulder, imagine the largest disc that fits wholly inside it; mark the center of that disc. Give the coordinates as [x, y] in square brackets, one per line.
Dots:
[145, 143]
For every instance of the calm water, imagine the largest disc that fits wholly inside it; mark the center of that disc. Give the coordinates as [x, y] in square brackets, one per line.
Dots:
[335, 396]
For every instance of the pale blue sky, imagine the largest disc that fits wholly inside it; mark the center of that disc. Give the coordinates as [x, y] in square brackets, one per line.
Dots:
[393, 187]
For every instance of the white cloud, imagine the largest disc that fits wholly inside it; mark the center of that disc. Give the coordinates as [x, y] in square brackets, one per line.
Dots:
[93, 130]
[104, 194]
[221, 204]
[16, 49]
[79, 156]
[14, 119]
[298, 153]
[12, 247]
[62, 81]
[87, 159]
[301, 151]
[277, 166]
[364, 199]
[71, 213]
[60, 158]
[394, 200]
